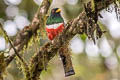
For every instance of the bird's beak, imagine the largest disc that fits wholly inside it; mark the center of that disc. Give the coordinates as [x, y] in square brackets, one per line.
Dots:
[58, 10]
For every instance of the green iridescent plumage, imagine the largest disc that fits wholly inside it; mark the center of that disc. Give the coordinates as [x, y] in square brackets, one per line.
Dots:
[53, 20]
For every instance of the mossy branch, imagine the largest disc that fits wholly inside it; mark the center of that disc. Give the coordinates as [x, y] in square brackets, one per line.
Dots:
[77, 26]
[19, 58]
[8, 39]
[24, 36]
[2, 65]
[73, 27]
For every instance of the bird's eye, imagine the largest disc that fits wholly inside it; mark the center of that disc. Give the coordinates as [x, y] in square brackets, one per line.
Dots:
[53, 11]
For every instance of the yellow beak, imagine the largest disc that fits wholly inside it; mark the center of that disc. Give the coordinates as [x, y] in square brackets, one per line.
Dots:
[58, 10]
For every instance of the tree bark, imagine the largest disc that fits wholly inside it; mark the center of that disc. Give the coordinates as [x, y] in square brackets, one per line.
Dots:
[49, 50]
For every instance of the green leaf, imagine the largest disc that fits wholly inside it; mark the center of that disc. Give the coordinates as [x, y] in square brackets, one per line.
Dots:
[83, 37]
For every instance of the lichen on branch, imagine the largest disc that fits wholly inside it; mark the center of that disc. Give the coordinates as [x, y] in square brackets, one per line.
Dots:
[2, 65]
[84, 23]
[24, 36]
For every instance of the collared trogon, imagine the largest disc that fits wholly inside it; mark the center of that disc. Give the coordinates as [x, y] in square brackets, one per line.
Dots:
[54, 26]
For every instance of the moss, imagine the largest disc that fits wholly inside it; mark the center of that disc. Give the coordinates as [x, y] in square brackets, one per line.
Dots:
[119, 1]
[50, 1]
[4, 33]
[93, 5]
[2, 65]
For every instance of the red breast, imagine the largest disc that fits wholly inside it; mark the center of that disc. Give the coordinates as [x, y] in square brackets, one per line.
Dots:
[52, 33]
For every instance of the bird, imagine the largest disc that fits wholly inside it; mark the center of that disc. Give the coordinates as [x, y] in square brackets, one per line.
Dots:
[55, 23]
[54, 26]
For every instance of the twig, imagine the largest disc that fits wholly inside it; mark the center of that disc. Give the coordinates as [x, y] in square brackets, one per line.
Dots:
[25, 35]
[76, 26]
[73, 27]
[25, 65]
[2, 65]
[6, 36]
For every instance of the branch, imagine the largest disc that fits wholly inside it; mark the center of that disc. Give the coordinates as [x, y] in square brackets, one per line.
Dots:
[73, 27]
[8, 39]
[49, 50]
[24, 36]
[102, 4]
[2, 65]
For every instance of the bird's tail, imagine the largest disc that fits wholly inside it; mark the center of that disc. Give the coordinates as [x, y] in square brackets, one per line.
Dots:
[67, 63]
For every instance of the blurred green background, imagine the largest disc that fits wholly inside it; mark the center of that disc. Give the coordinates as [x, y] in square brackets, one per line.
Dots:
[91, 62]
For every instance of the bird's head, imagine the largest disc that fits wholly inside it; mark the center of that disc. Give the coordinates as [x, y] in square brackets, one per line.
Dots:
[55, 12]
[55, 17]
